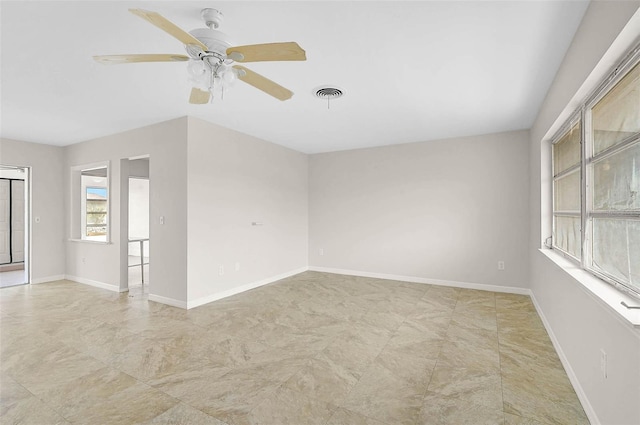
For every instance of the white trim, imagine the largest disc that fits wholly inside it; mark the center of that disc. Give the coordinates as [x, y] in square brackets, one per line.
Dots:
[229, 292]
[168, 301]
[47, 279]
[439, 282]
[94, 283]
[90, 241]
[582, 396]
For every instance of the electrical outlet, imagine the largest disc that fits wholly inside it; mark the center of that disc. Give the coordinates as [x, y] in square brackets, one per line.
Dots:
[500, 265]
[221, 270]
[603, 363]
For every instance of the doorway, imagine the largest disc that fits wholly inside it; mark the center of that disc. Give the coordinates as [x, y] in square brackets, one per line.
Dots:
[139, 246]
[14, 225]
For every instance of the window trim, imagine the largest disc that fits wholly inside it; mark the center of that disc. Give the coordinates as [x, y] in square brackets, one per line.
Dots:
[75, 227]
[582, 115]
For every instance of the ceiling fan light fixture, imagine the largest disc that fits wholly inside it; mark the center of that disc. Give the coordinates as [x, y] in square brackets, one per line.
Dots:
[211, 56]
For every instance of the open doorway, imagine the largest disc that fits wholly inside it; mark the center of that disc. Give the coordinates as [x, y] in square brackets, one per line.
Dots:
[14, 225]
[138, 259]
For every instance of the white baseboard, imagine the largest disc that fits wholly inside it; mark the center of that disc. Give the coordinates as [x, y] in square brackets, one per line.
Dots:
[168, 301]
[415, 279]
[582, 396]
[47, 279]
[224, 294]
[94, 283]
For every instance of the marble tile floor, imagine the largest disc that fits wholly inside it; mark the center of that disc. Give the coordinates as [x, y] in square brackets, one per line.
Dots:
[315, 348]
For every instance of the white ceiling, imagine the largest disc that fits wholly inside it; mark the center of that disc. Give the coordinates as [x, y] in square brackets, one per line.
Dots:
[412, 71]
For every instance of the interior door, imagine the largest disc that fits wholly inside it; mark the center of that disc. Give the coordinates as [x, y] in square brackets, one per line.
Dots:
[17, 221]
[5, 254]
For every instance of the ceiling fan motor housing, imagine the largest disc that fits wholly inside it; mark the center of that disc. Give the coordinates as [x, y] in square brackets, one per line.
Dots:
[216, 41]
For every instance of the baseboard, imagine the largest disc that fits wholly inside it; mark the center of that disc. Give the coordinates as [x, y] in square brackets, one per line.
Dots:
[94, 283]
[582, 396]
[415, 279]
[168, 301]
[47, 279]
[224, 294]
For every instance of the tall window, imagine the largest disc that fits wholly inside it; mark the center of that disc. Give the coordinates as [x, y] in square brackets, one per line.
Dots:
[89, 209]
[96, 212]
[596, 181]
[94, 204]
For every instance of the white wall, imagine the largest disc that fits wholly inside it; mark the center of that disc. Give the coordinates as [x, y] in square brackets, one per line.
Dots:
[580, 323]
[446, 210]
[166, 144]
[138, 208]
[234, 180]
[47, 243]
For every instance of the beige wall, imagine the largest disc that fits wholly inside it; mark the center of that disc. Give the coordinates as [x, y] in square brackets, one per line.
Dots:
[581, 324]
[234, 180]
[99, 263]
[446, 210]
[48, 254]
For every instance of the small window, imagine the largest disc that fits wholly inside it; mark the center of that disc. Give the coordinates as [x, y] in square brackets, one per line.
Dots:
[90, 202]
[96, 212]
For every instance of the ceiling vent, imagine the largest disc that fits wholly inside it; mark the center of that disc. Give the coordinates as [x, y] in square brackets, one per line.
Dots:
[328, 92]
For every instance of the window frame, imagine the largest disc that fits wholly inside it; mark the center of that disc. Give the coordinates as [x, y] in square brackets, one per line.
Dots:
[78, 211]
[583, 116]
[574, 119]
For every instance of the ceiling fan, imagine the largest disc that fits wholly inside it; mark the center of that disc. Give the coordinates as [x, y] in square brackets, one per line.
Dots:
[211, 57]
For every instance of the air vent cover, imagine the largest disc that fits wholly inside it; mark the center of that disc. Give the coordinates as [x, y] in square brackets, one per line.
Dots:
[328, 92]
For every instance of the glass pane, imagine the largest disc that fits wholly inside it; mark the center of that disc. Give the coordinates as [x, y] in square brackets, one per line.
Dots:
[567, 192]
[616, 181]
[566, 153]
[96, 206]
[617, 115]
[612, 239]
[567, 235]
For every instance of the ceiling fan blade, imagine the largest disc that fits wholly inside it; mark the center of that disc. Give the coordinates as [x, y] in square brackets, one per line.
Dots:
[168, 27]
[263, 83]
[117, 59]
[199, 97]
[289, 51]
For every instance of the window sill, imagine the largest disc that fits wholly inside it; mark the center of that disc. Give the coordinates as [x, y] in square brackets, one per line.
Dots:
[601, 290]
[90, 241]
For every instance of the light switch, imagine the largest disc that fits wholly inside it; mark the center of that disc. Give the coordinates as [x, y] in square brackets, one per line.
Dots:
[161, 219]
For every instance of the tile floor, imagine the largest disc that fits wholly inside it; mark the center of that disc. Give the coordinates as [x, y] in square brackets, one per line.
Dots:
[311, 349]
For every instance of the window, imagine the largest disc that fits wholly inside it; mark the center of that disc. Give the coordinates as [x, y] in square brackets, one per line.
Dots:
[596, 181]
[96, 212]
[90, 202]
